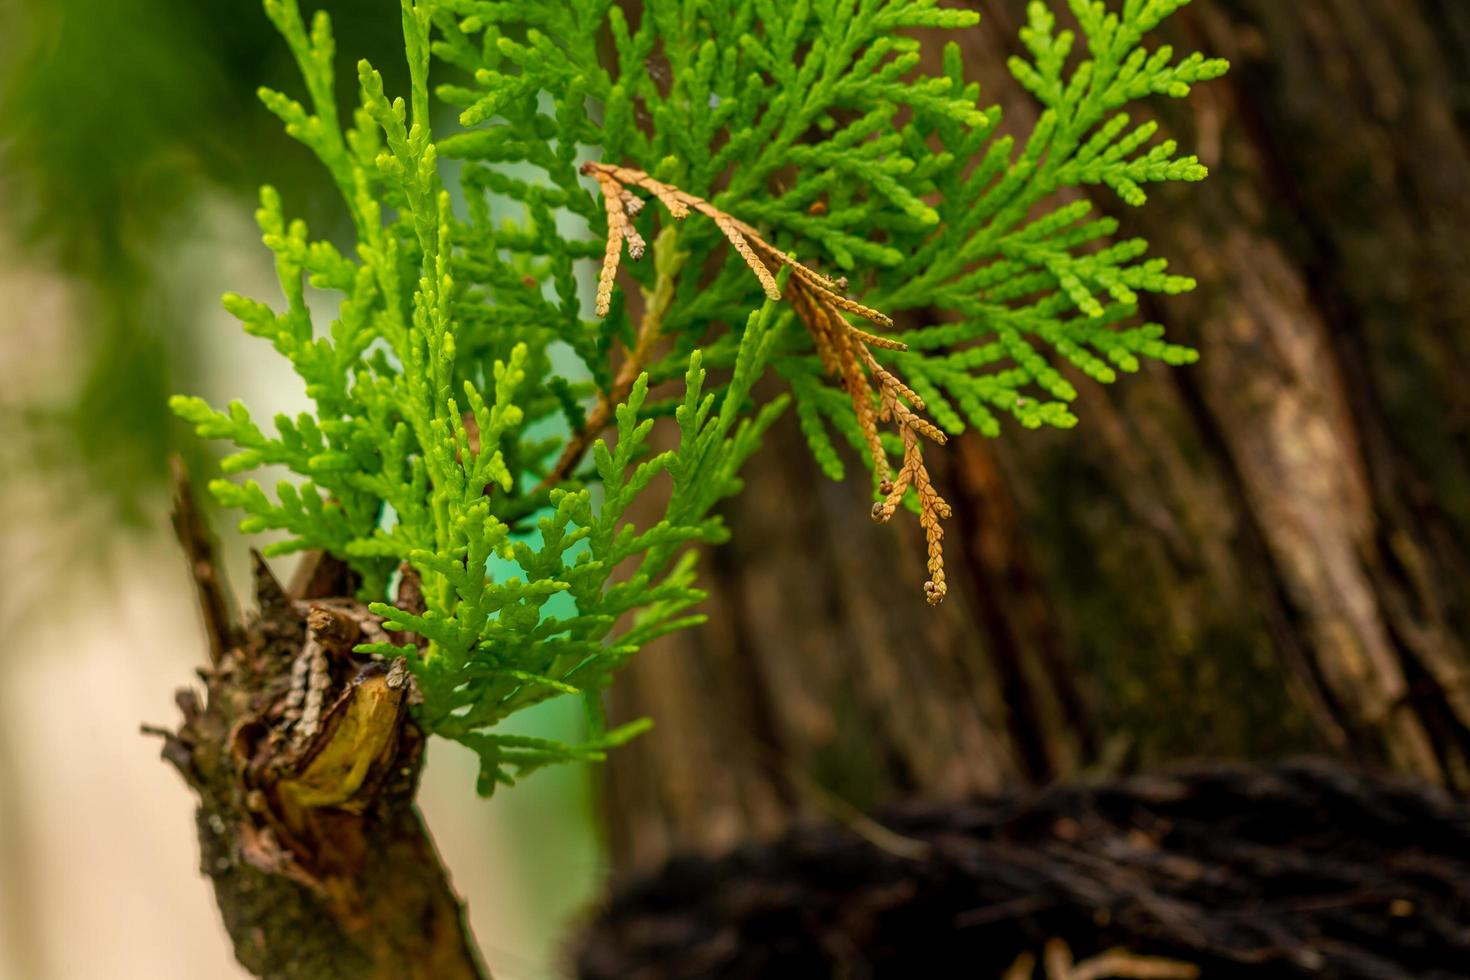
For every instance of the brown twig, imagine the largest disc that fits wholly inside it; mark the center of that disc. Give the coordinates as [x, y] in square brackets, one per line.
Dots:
[656, 305]
[877, 395]
[220, 626]
[1118, 964]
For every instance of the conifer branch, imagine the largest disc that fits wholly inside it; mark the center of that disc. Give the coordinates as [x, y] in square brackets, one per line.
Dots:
[877, 394]
[443, 371]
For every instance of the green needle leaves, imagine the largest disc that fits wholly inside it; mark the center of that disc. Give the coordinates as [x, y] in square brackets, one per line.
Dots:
[483, 413]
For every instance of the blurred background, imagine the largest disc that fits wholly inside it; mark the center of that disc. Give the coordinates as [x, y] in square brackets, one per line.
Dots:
[1261, 555]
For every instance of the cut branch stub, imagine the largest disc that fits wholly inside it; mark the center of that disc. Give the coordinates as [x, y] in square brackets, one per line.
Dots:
[322, 867]
[877, 395]
[305, 760]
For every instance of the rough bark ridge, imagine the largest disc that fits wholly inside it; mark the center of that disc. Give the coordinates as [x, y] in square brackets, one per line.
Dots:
[1325, 420]
[321, 864]
[1302, 869]
[1332, 325]
[1263, 553]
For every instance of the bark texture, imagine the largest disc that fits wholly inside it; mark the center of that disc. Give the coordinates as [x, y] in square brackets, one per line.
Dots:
[1293, 870]
[1260, 554]
[321, 864]
[1333, 325]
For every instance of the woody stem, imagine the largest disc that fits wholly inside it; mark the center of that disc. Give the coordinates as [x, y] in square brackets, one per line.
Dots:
[668, 260]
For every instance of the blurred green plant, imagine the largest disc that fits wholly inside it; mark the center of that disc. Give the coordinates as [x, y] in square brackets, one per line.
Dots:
[115, 119]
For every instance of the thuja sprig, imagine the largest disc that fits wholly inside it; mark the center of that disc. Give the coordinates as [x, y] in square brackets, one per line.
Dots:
[877, 395]
[789, 116]
[481, 428]
[419, 457]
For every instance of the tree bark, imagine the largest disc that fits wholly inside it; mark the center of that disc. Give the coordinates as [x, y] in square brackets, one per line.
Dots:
[1332, 323]
[1260, 554]
[321, 864]
[1287, 870]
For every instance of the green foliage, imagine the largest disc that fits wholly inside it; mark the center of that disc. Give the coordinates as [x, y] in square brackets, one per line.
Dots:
[463, 351]
[771, 109]
[1033, 281]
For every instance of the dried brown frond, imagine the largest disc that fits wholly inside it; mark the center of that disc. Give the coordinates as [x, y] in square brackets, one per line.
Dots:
[636, 245]
[742, 245]
[617, 227]
[873, 340]
[877, 395]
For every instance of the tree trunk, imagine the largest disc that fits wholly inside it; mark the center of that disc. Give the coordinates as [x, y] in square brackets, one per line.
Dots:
[1332, 322]
[1262, 553]
[321, 864]
[1286, 870]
